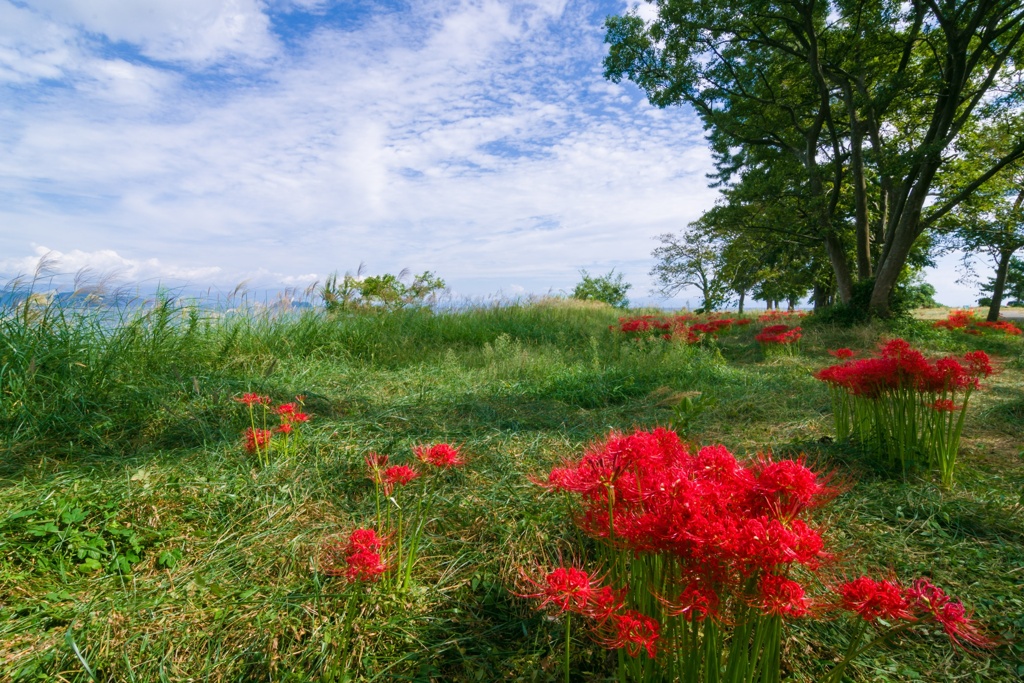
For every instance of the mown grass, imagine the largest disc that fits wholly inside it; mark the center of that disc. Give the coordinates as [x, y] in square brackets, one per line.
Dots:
[122, 446]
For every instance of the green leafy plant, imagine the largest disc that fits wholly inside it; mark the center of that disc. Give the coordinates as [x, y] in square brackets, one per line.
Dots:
[610, 288]
[69, 532]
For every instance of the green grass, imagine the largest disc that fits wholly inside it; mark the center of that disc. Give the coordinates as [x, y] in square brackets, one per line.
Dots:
[139, 542]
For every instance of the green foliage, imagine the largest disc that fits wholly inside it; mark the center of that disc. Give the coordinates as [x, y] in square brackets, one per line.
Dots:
[686, 412]
[387, 292]
[227, 585]
[836, 110]
[70, 532]
[692, 259]
[1013, 290]
[610, 288]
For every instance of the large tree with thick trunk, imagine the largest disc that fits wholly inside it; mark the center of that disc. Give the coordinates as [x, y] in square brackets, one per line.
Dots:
[867, 98]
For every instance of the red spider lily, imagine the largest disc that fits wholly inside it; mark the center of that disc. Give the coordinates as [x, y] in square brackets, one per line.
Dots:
[365, 539]
[779, 596]
[788, 486]
[251, 399]
[255, 439]
[604, 602]
[843, 353]
[440, 455]
[376, 463]
[398, 474]
[299, 417]
[285, 428]
[873, 599]
[927, 599]
[570, 589]
[695, 603]
[635, 632]
[1000, 326]
[900, 367]
[945, 406]
[965, 322]
[779, 335]
[285, 409]
[359, 558]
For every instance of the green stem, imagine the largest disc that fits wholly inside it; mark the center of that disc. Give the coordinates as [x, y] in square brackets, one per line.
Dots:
[568, 643]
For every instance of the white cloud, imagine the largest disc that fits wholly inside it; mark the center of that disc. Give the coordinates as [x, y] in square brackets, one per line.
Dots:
[173, 30]
[475, 139]
[100, 265]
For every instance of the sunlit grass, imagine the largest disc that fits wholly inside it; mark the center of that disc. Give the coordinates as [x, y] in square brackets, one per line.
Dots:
[129, 427]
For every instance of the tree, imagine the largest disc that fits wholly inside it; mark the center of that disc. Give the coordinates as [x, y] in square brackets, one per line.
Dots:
[991, 220]
[864, 97]
[691, 259]
[385, 292]
[610, 288]
[1013, 285]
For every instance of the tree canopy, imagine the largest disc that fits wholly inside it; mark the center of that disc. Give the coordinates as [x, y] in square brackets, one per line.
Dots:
[855, 107]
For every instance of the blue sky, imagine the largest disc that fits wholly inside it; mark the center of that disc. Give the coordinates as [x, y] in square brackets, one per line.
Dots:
[207, 142]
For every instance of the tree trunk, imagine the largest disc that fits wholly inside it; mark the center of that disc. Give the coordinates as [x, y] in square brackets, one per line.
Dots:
[860, 187]
[1000, 285]
[840, 266]
[742, 295]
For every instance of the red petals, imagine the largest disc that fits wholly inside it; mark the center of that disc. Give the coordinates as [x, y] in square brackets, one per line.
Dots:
[253, 399]
[780, 596]
[358, 559]
[929, 600]
[899, 367]
[875, 599]
[398, 474]
[440, 455]
[571, 589]
[636, 633]
[779, 335]
[256, 439]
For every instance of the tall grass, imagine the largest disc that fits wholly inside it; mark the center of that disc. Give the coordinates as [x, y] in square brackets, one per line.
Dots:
[121, 439]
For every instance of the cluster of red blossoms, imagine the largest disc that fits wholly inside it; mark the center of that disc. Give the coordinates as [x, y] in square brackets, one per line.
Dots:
[775, 315]
[779, 335]
[573, 590]
[899, 367]
[289, 415]
[442, 456]
[875, 600]
[734, 532]
[358, 558]
[723, 522]
[965, 322]
[681, 327]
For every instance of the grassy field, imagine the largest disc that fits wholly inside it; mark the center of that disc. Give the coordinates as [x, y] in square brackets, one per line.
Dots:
[139, 541]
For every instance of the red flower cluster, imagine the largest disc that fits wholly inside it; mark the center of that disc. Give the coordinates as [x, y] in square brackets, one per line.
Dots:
[874, 600]
[643, 323]
[899, 367]
[842, 354]
[359, 558]
[781, 335]
[256, 439]
[290, 414]
[724, 522]
[251, 399]
[964, 321]
[680, 327]
[776, 315]
[440, 455]
[635, 632]
[713, 327]
[573, 590]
